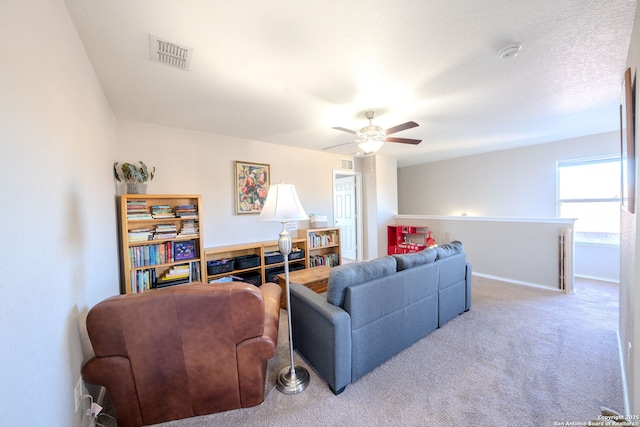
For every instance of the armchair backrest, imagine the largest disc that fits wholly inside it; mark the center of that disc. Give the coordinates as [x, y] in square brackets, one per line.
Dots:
[182, 351]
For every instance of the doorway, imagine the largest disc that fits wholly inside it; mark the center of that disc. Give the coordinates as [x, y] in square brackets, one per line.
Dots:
[347, 213]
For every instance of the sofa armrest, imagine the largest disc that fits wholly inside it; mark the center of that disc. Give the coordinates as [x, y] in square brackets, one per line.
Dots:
[467, 279]
[322, 334]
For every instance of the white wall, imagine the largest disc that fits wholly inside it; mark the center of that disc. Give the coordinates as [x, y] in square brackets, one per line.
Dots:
[59, 249]
[380, 189]
[598, 262]
[202, 163]
[387, 198]
[630, 261]
[519, 182]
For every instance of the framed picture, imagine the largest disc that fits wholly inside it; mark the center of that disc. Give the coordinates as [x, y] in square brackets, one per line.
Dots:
[627, 142]
[184, 250]
[251, 185]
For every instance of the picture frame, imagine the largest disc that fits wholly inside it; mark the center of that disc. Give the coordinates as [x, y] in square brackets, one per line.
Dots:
[184, 250]
[627, 143]
[251, 184]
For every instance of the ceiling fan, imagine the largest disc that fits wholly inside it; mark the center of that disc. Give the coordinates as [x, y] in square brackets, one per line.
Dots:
[373, 137]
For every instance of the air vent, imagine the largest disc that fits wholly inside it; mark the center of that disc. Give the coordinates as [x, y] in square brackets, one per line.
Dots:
[169, 53]
[346, 164]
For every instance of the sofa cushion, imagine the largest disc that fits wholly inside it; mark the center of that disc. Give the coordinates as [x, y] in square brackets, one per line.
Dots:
[448, 249]
[343, 276]
[406, 261]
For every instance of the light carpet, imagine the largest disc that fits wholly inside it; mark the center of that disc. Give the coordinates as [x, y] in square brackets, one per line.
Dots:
[521, 356]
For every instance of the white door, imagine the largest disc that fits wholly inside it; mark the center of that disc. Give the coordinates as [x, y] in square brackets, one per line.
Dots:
[345, 214]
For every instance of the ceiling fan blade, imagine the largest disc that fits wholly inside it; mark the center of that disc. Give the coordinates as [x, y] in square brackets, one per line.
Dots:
[339, 145]
[398, 128]
[346, 130]
[403, 140]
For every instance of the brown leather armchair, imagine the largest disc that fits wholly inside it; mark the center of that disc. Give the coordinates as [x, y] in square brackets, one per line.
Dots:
[183, 351]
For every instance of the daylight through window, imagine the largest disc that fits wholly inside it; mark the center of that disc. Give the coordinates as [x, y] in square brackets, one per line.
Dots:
[589, 190]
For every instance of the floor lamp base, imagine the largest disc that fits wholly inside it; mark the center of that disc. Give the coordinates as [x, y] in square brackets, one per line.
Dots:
[293, 382]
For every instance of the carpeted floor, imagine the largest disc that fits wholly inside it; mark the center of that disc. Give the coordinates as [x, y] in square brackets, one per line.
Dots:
[521, 356]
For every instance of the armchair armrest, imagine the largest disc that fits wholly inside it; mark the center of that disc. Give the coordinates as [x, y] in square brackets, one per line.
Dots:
[114, 373]
[271, 294]
[322, 334]
[252, 373]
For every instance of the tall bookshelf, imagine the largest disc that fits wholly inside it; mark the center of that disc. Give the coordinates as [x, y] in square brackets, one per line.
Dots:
[161, 241]
[323, 246]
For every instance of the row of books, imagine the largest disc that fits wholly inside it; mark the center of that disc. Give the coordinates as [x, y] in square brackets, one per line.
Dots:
[143, 280]
[324, 239]
[329, 259]
[138, 209]
[161, 253]
[189, 228]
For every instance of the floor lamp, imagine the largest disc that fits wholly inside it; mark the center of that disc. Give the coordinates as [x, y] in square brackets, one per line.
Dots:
[282, 205]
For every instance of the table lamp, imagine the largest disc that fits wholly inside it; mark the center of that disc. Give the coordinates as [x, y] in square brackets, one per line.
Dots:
[282, 205]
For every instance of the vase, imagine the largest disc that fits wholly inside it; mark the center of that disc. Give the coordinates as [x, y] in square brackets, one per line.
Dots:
[136, 188]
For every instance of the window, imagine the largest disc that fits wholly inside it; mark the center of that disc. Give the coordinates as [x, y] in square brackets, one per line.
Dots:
[589, 190]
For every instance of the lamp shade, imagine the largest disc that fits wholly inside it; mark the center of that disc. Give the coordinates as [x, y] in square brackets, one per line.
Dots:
[282, 205]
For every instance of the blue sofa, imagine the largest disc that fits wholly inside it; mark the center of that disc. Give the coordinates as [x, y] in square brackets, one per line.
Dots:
[374, 309]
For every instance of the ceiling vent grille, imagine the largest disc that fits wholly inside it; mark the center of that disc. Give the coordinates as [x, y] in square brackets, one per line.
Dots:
[346, 164]
[169, 53]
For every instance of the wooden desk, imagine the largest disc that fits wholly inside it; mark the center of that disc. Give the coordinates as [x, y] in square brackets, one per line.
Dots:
[313, 278]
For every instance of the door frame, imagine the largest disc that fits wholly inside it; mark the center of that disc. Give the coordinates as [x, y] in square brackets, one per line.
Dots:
[357, 206]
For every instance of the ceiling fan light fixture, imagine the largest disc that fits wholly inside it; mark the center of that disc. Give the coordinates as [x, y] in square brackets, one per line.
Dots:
[371, 145]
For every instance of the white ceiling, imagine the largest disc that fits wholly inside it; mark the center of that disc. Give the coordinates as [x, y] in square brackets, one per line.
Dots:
[287, 71]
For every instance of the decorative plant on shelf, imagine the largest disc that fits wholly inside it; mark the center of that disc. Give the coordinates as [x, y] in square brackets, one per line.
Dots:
[135, 176]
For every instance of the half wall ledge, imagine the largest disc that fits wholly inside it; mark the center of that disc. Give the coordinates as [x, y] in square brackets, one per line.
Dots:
[533, 251]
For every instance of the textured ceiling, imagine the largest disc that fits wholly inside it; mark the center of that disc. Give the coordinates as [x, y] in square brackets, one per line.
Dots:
[287, 71]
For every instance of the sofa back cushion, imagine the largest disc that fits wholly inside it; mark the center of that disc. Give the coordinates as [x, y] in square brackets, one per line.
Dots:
[406, 261]
[344, 276]
[448, 249]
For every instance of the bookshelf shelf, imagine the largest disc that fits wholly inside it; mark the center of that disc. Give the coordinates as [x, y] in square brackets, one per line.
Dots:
[266, 271]
[323, 246]
[154, 252]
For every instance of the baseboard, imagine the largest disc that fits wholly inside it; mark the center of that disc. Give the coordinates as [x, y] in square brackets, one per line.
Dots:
[515, 282]
[599, 279]
[623, 376]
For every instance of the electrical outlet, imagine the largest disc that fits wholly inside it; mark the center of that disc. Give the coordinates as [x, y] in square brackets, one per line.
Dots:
[77, 392]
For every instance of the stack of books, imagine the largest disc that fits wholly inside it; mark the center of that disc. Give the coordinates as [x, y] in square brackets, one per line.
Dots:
[140, 234]
[162, 211]
[186, 211]
[165, 231]
[189, 228]
[175, 275]
[137, 209]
